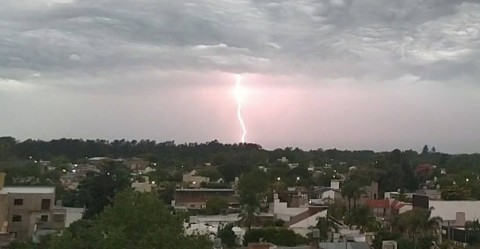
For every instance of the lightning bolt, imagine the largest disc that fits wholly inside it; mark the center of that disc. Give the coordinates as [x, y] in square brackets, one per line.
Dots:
[239, 90]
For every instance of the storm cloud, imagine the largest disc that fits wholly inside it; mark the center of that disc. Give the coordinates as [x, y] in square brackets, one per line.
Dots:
[397, 73]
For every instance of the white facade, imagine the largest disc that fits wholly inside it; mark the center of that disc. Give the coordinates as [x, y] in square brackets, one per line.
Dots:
[72, 215]
[448, 210]
[282, 211]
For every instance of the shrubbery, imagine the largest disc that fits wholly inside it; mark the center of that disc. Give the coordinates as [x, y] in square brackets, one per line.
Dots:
[277, 235]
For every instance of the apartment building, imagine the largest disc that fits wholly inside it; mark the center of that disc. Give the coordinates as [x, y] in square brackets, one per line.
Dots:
[24, 211]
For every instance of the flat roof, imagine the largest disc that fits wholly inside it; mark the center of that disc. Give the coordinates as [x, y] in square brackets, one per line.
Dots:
[205, 190]
[28, 190]
[448, 209]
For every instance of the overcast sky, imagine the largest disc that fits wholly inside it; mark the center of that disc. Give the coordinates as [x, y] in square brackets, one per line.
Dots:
[350, 74]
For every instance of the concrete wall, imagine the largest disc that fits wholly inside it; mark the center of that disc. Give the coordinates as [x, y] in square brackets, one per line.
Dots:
[72, 215]
[282, 211]
[31, 211]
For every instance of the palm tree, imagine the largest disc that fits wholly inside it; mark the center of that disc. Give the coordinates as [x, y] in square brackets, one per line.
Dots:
[326, 225]
[418, 221]
[248, 215]
[352, 191]
[363, 218]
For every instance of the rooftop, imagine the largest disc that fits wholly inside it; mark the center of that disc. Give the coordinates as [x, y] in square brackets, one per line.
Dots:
[448, 209]
[28, 190]
[380, 203]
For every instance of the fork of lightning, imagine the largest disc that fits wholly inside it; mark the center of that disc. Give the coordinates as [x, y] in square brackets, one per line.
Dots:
[239, 96]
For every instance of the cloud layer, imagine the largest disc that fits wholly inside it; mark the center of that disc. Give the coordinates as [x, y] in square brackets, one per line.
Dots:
[80, 51]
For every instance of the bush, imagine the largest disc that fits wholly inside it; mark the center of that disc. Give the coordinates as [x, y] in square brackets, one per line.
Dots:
[227, 236]
[277, 235]
[216, 205]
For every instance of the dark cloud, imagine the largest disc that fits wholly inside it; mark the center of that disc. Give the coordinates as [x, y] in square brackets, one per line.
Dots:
[55, 36]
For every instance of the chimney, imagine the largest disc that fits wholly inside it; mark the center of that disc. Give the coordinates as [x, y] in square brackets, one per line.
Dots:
[314, 244]
[2, 180]
[460, 219]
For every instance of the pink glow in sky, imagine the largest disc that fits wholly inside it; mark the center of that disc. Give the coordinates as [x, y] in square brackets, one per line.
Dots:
[348, 74]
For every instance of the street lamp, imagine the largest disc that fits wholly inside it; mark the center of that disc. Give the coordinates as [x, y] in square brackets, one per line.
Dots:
[278, 178]
[298, 178]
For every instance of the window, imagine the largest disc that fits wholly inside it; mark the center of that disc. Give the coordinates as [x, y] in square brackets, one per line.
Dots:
[46, 204]
[18, 202]
[17, 218]
[44, 218]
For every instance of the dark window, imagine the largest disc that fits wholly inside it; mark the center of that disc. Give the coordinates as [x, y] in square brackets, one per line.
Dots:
[16, 218]
[44, 218]
[18, 202]
[46, 204]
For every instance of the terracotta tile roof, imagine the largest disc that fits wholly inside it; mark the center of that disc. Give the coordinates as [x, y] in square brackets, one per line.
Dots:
[381, 203]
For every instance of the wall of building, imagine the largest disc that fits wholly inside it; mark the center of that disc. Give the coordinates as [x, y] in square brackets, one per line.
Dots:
[283, 212]
[30, 211]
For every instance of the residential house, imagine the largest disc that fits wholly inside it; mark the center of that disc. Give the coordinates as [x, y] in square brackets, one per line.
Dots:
[371, 192]
[424, 170]
[384, 209]
[144, 185]
[282, 211]
[191, 180]
[330, 194]
[197, 198]
[136, 164]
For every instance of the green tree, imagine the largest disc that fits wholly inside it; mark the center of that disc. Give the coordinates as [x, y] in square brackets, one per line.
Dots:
[417, 223]
[352, 191]
[473, 232]
[252, 187]
[99, 189]
[248, 214]
[135, 220]
[455, 192]
[227, 236]
[425, 150]
[216, 205]
[277, 235]
[326, 226]
[364, 219]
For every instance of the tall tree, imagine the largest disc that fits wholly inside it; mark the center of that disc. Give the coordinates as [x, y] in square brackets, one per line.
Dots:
[99, 189]
[326, 226]
[248, 215]
[425, 150]
[417, 222]
[136, 220]
[352, 191]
